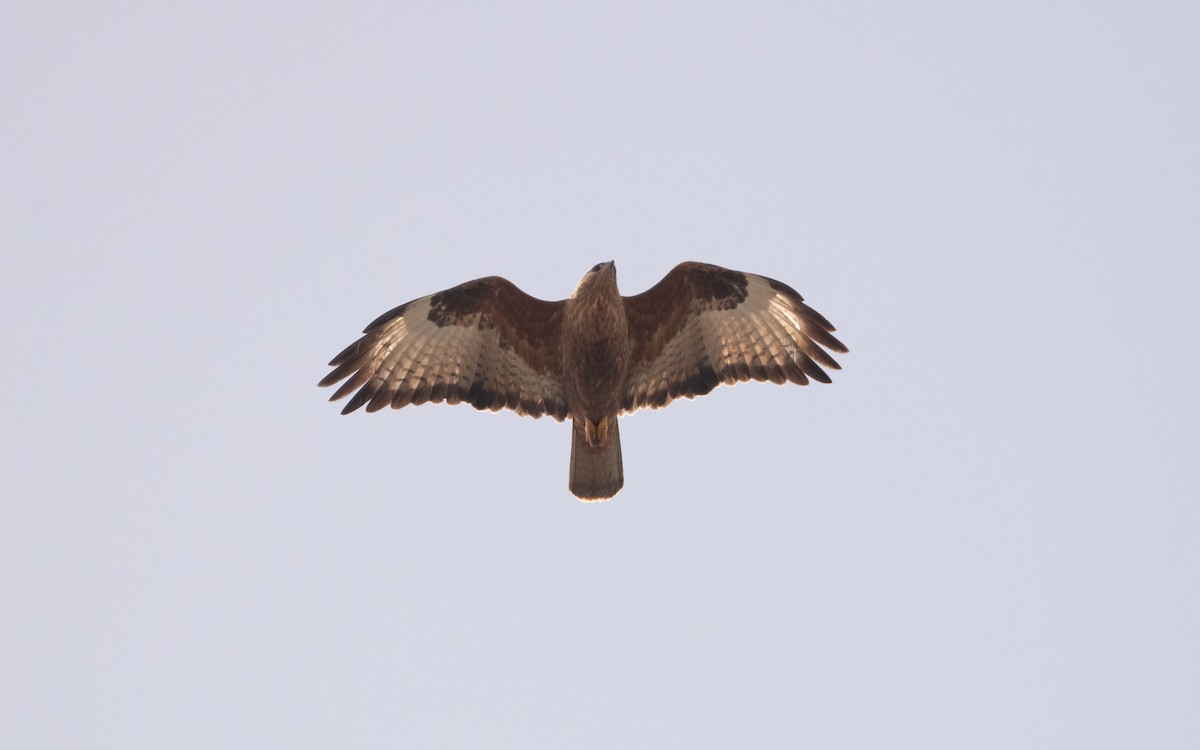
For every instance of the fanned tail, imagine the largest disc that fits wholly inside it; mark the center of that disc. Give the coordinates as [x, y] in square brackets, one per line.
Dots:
[596, 473]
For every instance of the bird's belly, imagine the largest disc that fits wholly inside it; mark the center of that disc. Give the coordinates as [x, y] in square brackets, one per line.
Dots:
[599, 375]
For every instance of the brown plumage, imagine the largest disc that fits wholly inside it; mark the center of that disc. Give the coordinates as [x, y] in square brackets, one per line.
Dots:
[589, 358]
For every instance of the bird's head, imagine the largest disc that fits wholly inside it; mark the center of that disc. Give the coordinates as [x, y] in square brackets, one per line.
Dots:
[601, 274]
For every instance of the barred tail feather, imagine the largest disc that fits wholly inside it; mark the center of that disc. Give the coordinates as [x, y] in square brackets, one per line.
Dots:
[596, 473]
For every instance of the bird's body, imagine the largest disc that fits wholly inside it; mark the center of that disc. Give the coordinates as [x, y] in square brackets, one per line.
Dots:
[596, 351]
[589, 358]
[595, 345]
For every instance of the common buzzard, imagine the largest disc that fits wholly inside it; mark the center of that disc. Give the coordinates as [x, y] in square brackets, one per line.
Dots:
[589, 358]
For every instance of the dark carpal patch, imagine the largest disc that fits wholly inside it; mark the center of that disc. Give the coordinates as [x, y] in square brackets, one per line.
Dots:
[722, 288]
[452, 306]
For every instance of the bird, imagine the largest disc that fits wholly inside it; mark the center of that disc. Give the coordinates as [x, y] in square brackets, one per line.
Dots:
[589, 358]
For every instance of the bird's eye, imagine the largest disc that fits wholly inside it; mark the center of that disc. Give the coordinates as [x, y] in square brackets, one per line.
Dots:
[596, 267]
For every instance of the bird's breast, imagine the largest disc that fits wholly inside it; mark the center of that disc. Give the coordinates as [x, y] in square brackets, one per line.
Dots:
[596, 353]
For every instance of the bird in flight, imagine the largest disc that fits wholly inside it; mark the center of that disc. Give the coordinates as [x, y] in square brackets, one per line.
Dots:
[589, 358]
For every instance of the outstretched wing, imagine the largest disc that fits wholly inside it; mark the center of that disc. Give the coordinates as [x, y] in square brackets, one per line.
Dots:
[704, 325]
[484, 342]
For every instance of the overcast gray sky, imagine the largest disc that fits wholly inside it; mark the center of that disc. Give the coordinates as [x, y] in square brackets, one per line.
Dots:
[983, 534]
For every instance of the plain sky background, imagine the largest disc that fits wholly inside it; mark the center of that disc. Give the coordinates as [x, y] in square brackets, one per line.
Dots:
[983, 534]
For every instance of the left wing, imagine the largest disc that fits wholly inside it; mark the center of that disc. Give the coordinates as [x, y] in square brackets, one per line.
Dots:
[704, 325]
